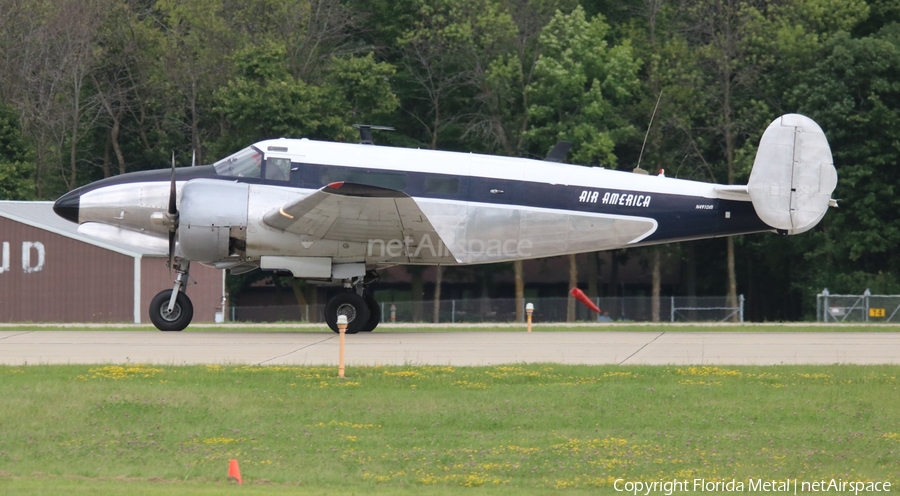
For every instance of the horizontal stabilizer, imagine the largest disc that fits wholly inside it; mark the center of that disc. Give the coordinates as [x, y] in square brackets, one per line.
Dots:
[793, 175]
[738, 193]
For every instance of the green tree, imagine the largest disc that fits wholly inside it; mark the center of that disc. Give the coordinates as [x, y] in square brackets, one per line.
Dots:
[501, 82]
[721, 36]
[266, 101]
[361, 87]
[579, 85]
[777, 274]
[16, 170]
[500, 119]
[451, 43]
[854, 91]
[197, 48]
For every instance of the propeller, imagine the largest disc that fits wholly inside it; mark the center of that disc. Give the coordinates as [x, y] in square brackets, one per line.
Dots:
[172, 217]
[169, 218]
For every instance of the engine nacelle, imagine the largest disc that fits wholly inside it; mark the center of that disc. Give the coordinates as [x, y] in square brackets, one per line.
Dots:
[212, 220]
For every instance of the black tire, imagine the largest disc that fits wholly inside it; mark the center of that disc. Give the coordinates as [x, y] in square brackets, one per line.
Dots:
[179, 318]
[353, 306]
[374, 314]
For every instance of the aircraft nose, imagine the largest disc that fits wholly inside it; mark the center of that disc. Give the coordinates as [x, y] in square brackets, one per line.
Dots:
[67, 206]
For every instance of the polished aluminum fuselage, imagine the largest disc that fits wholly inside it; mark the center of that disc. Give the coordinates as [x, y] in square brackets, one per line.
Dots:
[500, 209]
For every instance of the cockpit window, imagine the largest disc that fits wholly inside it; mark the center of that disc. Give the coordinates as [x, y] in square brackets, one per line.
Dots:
[245, 163]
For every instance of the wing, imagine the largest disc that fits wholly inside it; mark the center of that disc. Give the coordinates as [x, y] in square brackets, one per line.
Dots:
[389, 222]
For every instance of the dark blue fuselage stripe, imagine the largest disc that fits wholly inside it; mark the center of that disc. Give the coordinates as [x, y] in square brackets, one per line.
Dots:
[678, 216]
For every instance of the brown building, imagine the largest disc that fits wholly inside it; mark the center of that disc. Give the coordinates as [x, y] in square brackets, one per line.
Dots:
[49, 272]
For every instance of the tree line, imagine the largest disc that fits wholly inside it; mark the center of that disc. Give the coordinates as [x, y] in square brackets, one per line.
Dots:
[95, 88]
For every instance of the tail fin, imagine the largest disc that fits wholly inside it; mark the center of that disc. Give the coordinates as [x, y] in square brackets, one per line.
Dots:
[793, 175]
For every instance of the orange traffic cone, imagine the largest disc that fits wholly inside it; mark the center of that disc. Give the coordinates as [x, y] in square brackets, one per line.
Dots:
[234, 472]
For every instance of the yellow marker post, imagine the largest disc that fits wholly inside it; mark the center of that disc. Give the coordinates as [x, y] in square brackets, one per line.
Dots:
[529, 309]
[342, 328]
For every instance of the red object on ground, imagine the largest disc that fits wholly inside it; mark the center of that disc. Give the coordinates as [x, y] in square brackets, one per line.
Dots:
[234, 472]
[580, 296]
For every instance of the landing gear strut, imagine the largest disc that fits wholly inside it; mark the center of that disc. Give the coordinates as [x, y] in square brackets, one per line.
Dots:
[172, 310]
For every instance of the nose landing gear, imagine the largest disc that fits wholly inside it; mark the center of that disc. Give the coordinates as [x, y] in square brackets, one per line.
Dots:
[172, 310]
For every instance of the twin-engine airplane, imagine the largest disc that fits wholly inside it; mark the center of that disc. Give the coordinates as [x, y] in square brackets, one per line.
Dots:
[338, 212]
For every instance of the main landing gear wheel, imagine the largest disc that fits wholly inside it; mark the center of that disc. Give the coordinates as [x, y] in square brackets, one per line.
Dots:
[374, 314]
[351, 305]
[178, 318]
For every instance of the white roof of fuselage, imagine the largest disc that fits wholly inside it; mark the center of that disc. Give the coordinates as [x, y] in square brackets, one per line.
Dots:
[473, 164]
[40, 215]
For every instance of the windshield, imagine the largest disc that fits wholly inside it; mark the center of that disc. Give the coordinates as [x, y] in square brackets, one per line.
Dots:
[244, 163]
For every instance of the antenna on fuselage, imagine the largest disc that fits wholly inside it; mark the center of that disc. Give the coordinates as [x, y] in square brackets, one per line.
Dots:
[365, 132]
[559, 151]
[638, 169]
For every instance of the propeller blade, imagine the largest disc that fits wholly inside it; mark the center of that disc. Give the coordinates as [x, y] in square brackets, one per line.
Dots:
[173, 217]
[172, 208]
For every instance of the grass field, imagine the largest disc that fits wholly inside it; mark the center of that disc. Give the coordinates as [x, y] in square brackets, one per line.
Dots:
[536, 429]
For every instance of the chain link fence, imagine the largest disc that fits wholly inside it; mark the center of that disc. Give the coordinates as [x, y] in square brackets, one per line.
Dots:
[613, 309]
[857, 308]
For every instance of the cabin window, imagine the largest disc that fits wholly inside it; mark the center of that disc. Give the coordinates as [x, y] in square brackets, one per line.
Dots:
[381, 179]
[245, 163]
[278, 169]
[441, 185]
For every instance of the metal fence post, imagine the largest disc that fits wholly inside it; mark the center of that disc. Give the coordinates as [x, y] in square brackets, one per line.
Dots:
[819, 307]
[742, 309]
[825, 305]
[672, 309]
[866, 295]
[452, 311]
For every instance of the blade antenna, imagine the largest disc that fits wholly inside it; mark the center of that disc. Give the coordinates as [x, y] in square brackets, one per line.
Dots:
[648, 129]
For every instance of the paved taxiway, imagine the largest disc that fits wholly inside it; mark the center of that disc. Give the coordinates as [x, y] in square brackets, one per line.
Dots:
[448, 348]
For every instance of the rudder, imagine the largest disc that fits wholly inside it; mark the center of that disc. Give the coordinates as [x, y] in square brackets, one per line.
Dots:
[793, 174]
